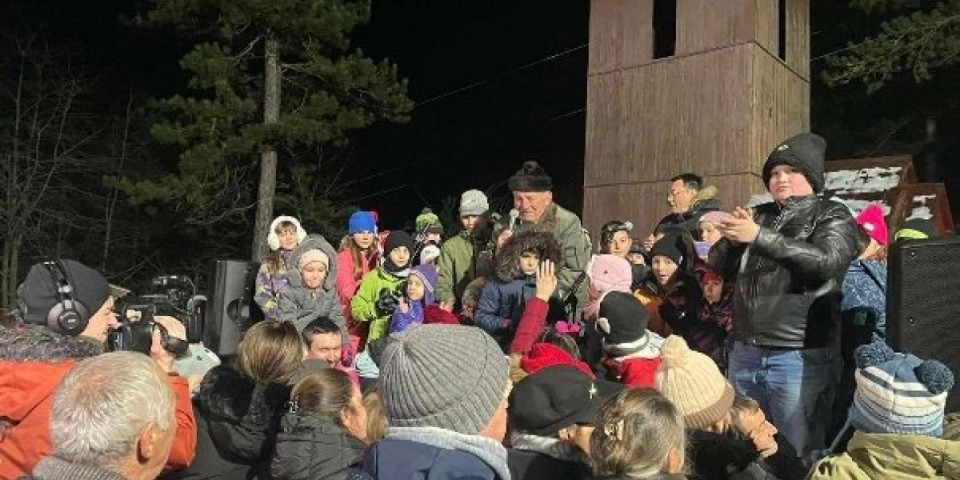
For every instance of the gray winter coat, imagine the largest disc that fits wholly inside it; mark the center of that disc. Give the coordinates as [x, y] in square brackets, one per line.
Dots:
[301, 305]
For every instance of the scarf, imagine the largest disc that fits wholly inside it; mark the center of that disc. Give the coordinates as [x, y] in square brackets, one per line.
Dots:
[486, 449]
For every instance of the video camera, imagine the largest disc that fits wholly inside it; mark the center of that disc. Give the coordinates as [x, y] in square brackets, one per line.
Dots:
[171, 295]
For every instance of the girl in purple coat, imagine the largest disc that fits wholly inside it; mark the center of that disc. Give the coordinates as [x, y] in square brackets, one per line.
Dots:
[285, 234]
[418, 296]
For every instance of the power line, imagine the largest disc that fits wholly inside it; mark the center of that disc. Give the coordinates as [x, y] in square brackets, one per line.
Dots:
[487, 80]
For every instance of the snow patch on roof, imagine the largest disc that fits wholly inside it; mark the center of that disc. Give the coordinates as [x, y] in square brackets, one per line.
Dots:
[865, 180]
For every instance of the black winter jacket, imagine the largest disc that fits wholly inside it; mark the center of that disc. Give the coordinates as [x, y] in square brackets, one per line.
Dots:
[313, 448]
[716, 456]
[690, 220]
[237, 421]
[528, 465]
[788, 280]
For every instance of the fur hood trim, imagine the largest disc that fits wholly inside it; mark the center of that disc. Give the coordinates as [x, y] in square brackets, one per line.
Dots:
[35, 343]
[313, 242]
[545, 243]
[227, 395]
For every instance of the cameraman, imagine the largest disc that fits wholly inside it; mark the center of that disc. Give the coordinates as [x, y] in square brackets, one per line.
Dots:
[65, 311]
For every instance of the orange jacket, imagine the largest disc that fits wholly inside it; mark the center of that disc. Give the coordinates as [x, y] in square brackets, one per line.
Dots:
[26, 399]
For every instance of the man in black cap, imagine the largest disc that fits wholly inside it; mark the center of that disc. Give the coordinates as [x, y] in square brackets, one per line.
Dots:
[552, 416]
[533, 200]
[64, 312]
[792, 255]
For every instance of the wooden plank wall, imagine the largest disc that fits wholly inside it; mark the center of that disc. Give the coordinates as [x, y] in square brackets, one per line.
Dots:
[717, 107]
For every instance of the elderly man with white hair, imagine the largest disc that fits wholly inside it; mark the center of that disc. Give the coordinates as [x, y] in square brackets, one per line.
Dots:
[113, 418]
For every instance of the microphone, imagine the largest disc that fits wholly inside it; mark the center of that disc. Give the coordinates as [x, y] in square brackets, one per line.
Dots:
[514, 214]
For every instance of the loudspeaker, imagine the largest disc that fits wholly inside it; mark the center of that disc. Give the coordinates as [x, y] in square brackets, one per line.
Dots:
[232, 310]
[923, 309]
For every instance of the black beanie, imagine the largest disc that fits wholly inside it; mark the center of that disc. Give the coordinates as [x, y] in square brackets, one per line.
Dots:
[398, 238]
[668, 246]
[805, 152]
[621, 318]
[530, 178]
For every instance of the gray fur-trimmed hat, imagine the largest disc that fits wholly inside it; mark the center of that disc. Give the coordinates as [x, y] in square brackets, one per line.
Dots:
[445, 376]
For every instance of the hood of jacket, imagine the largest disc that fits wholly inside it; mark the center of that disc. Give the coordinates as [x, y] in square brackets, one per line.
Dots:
[33, 360]
[314, 448]
[507, 259]
[903, 456]
[313, 242]
[242, 415]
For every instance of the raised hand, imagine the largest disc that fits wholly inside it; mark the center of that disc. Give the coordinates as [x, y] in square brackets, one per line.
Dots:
[546, 280]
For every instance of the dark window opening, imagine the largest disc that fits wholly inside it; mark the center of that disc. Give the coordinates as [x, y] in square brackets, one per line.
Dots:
[664, 28]
[782, 30]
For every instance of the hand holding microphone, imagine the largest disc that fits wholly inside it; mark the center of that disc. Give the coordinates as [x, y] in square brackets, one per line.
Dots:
[506, 234]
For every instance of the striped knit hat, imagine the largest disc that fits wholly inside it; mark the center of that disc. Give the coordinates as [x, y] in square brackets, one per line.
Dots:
[694, 384]
[899, 393]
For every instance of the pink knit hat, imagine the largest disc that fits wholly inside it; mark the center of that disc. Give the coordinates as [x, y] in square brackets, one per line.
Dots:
[871, 219]
[607, 272]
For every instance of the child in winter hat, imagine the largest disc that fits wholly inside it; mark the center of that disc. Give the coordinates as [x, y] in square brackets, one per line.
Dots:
[418, 296]
[692, 381]
[504, 298]
[871, 221]
[473, 202]
[380, 289]
[804, 152]
[285, 234]
[429, 228]
[362, 221]
[311, 291]
[606, 272]
[896, 419]
[899, 393]
[631, 352]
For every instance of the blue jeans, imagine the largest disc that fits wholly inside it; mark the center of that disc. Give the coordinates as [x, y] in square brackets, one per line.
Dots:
[795, 388]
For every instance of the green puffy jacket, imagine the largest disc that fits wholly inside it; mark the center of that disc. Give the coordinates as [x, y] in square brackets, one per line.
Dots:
[363, 307]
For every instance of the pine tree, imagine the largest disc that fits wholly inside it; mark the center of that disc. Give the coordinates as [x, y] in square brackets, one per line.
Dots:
[269, 80]
[916, 37]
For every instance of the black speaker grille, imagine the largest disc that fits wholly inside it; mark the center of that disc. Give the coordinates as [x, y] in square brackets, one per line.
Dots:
[922, 302]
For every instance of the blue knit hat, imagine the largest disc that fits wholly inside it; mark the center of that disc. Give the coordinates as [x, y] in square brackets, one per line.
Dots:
[899, 393]
[362, 221]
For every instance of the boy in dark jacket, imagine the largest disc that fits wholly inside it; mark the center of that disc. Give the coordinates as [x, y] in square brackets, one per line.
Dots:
[503, 299]
[790, 256]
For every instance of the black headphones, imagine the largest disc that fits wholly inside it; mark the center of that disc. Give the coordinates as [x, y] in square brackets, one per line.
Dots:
[68, 316]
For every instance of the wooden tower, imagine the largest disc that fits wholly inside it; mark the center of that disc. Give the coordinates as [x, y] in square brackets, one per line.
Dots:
[703, 86]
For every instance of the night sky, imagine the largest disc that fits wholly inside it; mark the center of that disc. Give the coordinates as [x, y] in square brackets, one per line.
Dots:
[516, 103]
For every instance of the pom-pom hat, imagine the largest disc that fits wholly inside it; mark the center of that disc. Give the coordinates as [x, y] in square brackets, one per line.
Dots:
[694, 384]
[530, 178]
[899, 393]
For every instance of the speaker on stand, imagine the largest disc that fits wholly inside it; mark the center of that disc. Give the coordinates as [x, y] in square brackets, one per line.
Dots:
[232, 309]
[923, 309]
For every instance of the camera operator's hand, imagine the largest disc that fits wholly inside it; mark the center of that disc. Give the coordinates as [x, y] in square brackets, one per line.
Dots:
[159, 354]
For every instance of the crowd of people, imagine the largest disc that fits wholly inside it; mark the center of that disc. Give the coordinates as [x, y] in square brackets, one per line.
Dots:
[740, 343]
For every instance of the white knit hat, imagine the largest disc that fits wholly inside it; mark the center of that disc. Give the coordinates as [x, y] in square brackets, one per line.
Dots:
[693, 383]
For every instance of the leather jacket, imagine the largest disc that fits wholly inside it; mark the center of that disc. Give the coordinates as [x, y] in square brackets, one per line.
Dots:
[788, 285]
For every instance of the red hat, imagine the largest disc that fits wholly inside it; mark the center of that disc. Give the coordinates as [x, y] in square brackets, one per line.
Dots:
[871, 219]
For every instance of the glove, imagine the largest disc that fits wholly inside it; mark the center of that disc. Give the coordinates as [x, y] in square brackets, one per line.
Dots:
[386, 302]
